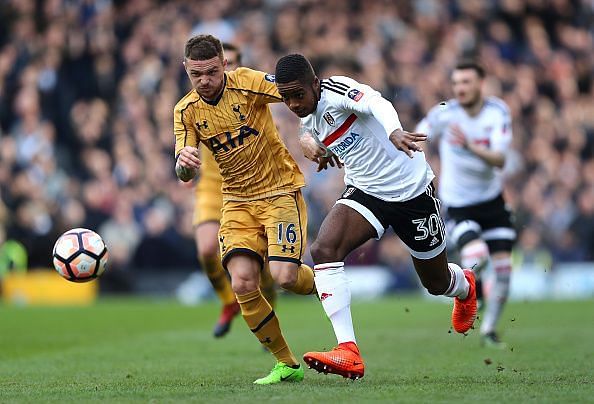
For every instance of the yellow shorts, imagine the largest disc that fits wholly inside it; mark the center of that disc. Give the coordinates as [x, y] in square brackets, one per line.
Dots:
[208, 202]
[274, 227]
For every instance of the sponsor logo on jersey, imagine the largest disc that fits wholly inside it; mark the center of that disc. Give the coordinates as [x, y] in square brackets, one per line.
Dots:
[347, 143]
[230, 142]
[330, 119]
[355, 94]
[269, 77]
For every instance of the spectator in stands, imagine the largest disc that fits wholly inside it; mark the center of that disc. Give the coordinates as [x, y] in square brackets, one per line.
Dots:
[97, 80]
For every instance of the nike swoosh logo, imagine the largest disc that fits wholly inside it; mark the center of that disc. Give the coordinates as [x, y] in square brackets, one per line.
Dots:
[357, 363]
[283, 378]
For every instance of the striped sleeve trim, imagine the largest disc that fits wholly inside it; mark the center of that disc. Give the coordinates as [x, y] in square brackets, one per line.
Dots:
[334, 86]
[338, 84]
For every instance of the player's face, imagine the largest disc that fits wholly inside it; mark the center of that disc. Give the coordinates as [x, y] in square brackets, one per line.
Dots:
[466, 84]
[232, 59]
[207, 76]
[302, 99]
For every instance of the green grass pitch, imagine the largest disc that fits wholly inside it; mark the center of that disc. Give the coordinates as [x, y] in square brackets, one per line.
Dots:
[132, 350]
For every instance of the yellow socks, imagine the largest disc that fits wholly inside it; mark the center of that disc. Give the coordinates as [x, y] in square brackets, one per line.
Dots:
[305, 284]
[268, 286]
[263, 322]
[218, 278]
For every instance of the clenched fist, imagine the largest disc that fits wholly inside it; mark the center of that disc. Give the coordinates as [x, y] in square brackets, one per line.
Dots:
[310, 148]
[187, 163]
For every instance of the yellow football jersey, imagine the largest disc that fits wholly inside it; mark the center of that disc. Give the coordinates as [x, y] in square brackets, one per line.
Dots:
[238, 129]
[209, 170]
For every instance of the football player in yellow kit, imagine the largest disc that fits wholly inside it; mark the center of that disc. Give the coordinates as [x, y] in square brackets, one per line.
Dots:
[206, 221]
[264, 214]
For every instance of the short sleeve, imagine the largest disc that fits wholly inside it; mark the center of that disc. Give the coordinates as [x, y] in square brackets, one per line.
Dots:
[260, 84]
[434, 123]
[185, 133]
[501, 136]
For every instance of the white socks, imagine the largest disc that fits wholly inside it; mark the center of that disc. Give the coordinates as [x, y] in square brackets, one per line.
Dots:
[459, 286]
[335, 295]
[498, 294]
[475, 256]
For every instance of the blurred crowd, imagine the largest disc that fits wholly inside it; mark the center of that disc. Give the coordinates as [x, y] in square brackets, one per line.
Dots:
[87, 89]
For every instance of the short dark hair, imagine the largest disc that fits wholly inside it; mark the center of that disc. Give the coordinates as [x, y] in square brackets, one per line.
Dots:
[233, 48]
[203, 47]
[294, 67]
[471, 64]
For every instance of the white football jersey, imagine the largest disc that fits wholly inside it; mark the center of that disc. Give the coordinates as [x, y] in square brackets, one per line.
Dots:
[465, 178]
[354, 122]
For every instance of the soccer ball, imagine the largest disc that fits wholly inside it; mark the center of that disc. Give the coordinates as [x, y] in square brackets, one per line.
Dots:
[80, 255]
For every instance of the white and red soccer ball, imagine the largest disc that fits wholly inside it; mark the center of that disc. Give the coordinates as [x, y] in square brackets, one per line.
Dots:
[80, 255]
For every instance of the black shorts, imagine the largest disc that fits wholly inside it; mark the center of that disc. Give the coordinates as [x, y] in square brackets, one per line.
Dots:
[417, 221]
[489, 220]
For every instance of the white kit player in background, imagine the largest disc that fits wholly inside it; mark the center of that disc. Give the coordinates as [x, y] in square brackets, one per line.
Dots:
[388, 183]
[474, 134]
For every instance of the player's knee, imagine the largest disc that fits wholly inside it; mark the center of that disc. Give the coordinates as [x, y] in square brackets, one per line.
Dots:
[208, 249]
[321, 252]
[242, 285]
[285, 275]
[465, 232]
[287, 281]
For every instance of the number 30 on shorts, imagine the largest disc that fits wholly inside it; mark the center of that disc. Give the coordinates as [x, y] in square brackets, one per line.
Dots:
[286, 233]
[427, 227]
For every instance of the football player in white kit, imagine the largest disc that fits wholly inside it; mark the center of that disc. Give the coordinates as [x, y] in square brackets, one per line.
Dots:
[474, 134]
[388, 183]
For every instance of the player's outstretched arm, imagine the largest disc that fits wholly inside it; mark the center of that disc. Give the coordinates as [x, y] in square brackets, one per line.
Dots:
[314, 152]
[491, 157]
[332, 160]
[407, 141]
[310, 148]
[187, 163]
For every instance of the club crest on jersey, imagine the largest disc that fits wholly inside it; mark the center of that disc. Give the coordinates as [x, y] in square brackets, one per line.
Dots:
[269, 77]
[355, 94]
[329, 119]
[237, 110]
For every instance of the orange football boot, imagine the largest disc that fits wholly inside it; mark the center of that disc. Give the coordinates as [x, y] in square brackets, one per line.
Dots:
[344, 360]
[464, 312]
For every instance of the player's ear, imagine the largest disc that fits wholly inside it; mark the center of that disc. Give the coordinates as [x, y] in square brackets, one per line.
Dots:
[316, 84]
